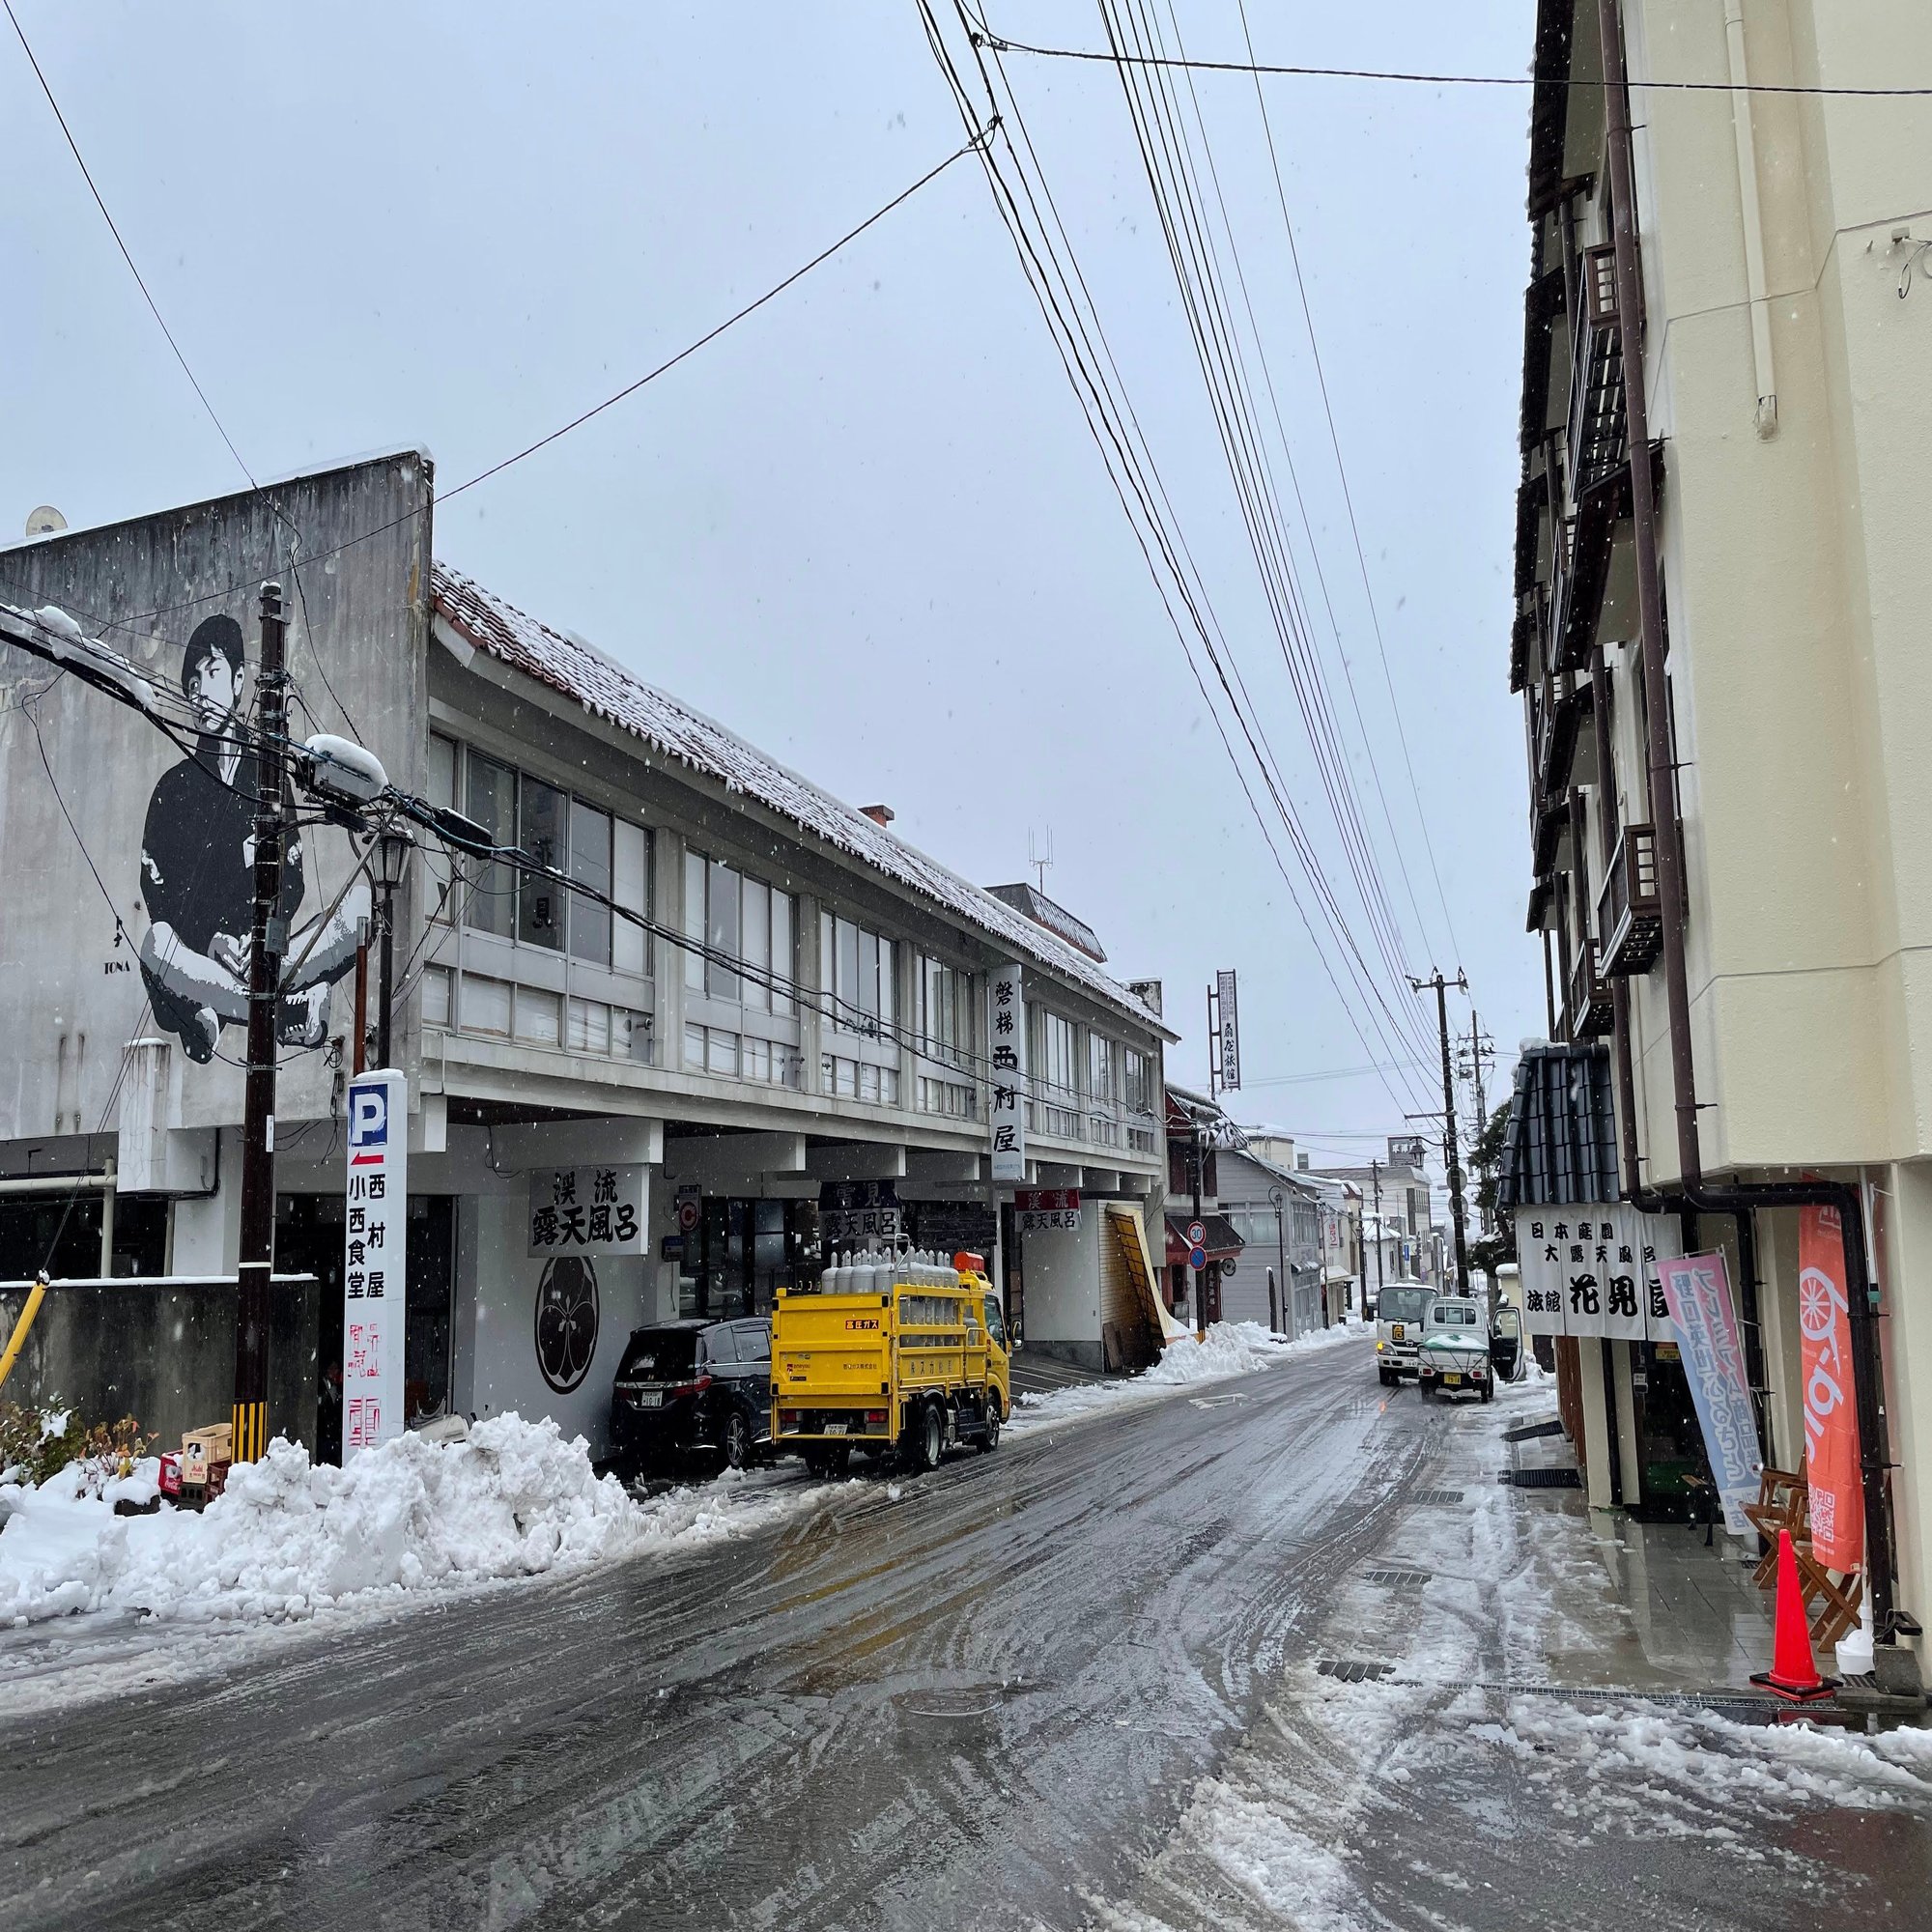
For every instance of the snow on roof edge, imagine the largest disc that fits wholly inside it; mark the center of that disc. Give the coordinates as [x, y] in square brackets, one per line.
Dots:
[576, 668]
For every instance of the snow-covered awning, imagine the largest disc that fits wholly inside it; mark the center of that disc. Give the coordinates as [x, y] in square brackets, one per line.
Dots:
[673, 731]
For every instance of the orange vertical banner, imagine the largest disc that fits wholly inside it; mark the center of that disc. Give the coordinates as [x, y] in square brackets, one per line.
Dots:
[1831, 1417]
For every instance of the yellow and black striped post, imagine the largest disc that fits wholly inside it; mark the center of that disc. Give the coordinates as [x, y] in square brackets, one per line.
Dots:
[250, 1431]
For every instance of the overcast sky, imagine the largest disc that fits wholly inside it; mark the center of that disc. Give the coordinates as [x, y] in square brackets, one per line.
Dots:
[868, 528]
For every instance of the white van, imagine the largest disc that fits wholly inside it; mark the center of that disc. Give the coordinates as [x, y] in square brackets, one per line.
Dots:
[1400, 1309]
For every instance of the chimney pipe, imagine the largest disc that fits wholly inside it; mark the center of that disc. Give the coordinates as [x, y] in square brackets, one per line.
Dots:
[879, 815]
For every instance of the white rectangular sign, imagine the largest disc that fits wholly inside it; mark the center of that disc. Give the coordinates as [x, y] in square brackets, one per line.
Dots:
[587, 1210]
[375, 1271]
[1228, 1021]
[1006, 1103]
[1591, 1270]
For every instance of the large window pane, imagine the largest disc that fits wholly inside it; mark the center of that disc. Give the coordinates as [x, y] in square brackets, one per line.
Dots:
[694, 920]
[441, 770]
[755, 909]
[540, 913]
[784, 955]
[869, 974]
[631, 888]
[721, 928]
[491, 904]
[889, 991]
[590, 866]
[847, 938]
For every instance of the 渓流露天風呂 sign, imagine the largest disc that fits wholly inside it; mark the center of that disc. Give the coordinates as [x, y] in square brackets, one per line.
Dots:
[587, 1210]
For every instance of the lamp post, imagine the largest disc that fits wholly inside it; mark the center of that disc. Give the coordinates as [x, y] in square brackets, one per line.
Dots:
[393, 863]
[1275, 1199]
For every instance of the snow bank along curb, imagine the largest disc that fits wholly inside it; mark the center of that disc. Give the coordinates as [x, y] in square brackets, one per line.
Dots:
[1232, 1349]
[290, 1539]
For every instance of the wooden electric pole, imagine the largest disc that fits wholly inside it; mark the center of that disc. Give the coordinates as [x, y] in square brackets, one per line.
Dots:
[268, 941]
[1442, 987]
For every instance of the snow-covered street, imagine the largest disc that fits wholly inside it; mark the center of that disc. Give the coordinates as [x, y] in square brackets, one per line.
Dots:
[1262, 1649]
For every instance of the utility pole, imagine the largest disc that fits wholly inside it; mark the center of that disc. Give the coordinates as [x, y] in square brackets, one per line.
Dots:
[1480, 1050]
[1200, 1274]
[1376, 1179]
[268, 940]
[1441, 987]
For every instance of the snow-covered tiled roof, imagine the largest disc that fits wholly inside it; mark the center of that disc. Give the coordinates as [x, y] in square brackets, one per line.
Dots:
[673, 731]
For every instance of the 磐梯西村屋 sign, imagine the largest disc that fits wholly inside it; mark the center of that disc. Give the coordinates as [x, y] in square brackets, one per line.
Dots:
[1040, 1211]
[587, 1210]
[1832, 1474]
[1698, 1289]
[1590, 1270]
[1007, 1074]
[374, 1260]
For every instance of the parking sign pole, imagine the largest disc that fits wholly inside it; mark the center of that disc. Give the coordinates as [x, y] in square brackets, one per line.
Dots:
[268, 942]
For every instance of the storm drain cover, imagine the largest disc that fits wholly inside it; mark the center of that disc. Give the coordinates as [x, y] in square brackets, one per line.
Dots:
[1545, 1478]
[1528, 1431]
[1352, 1670]
[1433, 1498]
[1398, 1580]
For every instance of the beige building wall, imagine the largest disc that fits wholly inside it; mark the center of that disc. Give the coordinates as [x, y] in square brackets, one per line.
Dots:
[1797, 572]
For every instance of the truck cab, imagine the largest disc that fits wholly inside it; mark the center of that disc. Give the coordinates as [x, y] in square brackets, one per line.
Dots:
[1400, 1309]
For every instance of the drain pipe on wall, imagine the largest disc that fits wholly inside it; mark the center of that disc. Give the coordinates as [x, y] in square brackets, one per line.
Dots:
[1649, 596]
[1753, 221]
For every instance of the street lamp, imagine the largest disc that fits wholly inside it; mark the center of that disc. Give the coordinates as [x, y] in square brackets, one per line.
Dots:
[393, 863]
[1276, 1198]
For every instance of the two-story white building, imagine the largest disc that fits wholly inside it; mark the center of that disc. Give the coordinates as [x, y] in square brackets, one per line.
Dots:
[795, 1039]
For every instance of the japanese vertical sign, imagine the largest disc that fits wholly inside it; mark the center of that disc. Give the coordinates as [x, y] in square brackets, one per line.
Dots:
[1697, 1290]
[1831, 1421]
[1006, 1105]
[587, 1210]
[375, 1263]
[1228, 1030]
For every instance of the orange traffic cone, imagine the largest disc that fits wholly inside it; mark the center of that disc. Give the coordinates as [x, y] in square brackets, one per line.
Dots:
[1794, 1672]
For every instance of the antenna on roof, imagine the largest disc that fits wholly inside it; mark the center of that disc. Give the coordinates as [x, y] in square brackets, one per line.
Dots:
[1039, 855]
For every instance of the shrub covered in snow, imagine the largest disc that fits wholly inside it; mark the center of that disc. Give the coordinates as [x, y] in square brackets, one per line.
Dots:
[40, 1439]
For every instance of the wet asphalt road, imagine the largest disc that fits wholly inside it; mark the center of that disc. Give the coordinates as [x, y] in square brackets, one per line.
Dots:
[1067, 1685]
[981, 1703]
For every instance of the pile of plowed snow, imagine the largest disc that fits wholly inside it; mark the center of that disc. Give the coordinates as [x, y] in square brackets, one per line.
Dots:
[289, 1538]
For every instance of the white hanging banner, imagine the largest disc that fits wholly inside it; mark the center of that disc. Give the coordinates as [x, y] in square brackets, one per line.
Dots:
[1005, 1104]
[1591, 1270]
[375, 1273]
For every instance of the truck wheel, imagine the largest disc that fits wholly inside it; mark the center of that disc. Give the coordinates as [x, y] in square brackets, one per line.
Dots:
[1488, 1391]
[990, 1440]
[929, 1438]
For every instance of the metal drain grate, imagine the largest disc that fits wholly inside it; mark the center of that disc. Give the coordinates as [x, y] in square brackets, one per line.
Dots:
[1398, 1580]
[1352, 1670]
[1528, 1431]
[1433, 1499]
[1545, 1478]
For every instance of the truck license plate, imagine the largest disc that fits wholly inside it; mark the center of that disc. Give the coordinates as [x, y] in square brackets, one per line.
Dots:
[1451, 1376]
[834, 1429]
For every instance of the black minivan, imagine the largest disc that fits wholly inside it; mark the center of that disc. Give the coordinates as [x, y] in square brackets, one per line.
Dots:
[693, 1386]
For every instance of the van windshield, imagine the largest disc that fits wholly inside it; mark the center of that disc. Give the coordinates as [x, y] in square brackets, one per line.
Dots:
[1402, 1304]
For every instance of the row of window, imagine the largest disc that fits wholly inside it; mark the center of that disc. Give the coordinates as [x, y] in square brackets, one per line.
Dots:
[745, 953]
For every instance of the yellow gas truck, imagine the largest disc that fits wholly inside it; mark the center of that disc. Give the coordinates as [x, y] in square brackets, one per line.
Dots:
[899, 1356]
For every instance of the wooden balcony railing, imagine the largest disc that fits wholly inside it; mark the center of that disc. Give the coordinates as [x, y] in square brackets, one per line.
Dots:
[1592, 1005]
[1597, 444]
[1629, 916]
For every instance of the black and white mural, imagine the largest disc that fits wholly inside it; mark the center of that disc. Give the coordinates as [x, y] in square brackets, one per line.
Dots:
[198, 874]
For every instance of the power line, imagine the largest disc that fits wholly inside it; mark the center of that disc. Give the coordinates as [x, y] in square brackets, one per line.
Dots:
[1348, 502]
[1107, 421]
[227, 591]
[113, 229]
[982, 36]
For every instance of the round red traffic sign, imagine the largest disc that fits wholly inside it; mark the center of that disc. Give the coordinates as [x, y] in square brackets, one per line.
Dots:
[687, 1216]
[1198, 1259]
[1197, 1235]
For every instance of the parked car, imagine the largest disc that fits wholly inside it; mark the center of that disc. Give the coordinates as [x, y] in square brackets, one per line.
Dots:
[693, 1386]
[1455, 1350]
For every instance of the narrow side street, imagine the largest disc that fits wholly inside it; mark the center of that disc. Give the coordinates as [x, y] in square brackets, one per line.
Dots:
[1077, 1683]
